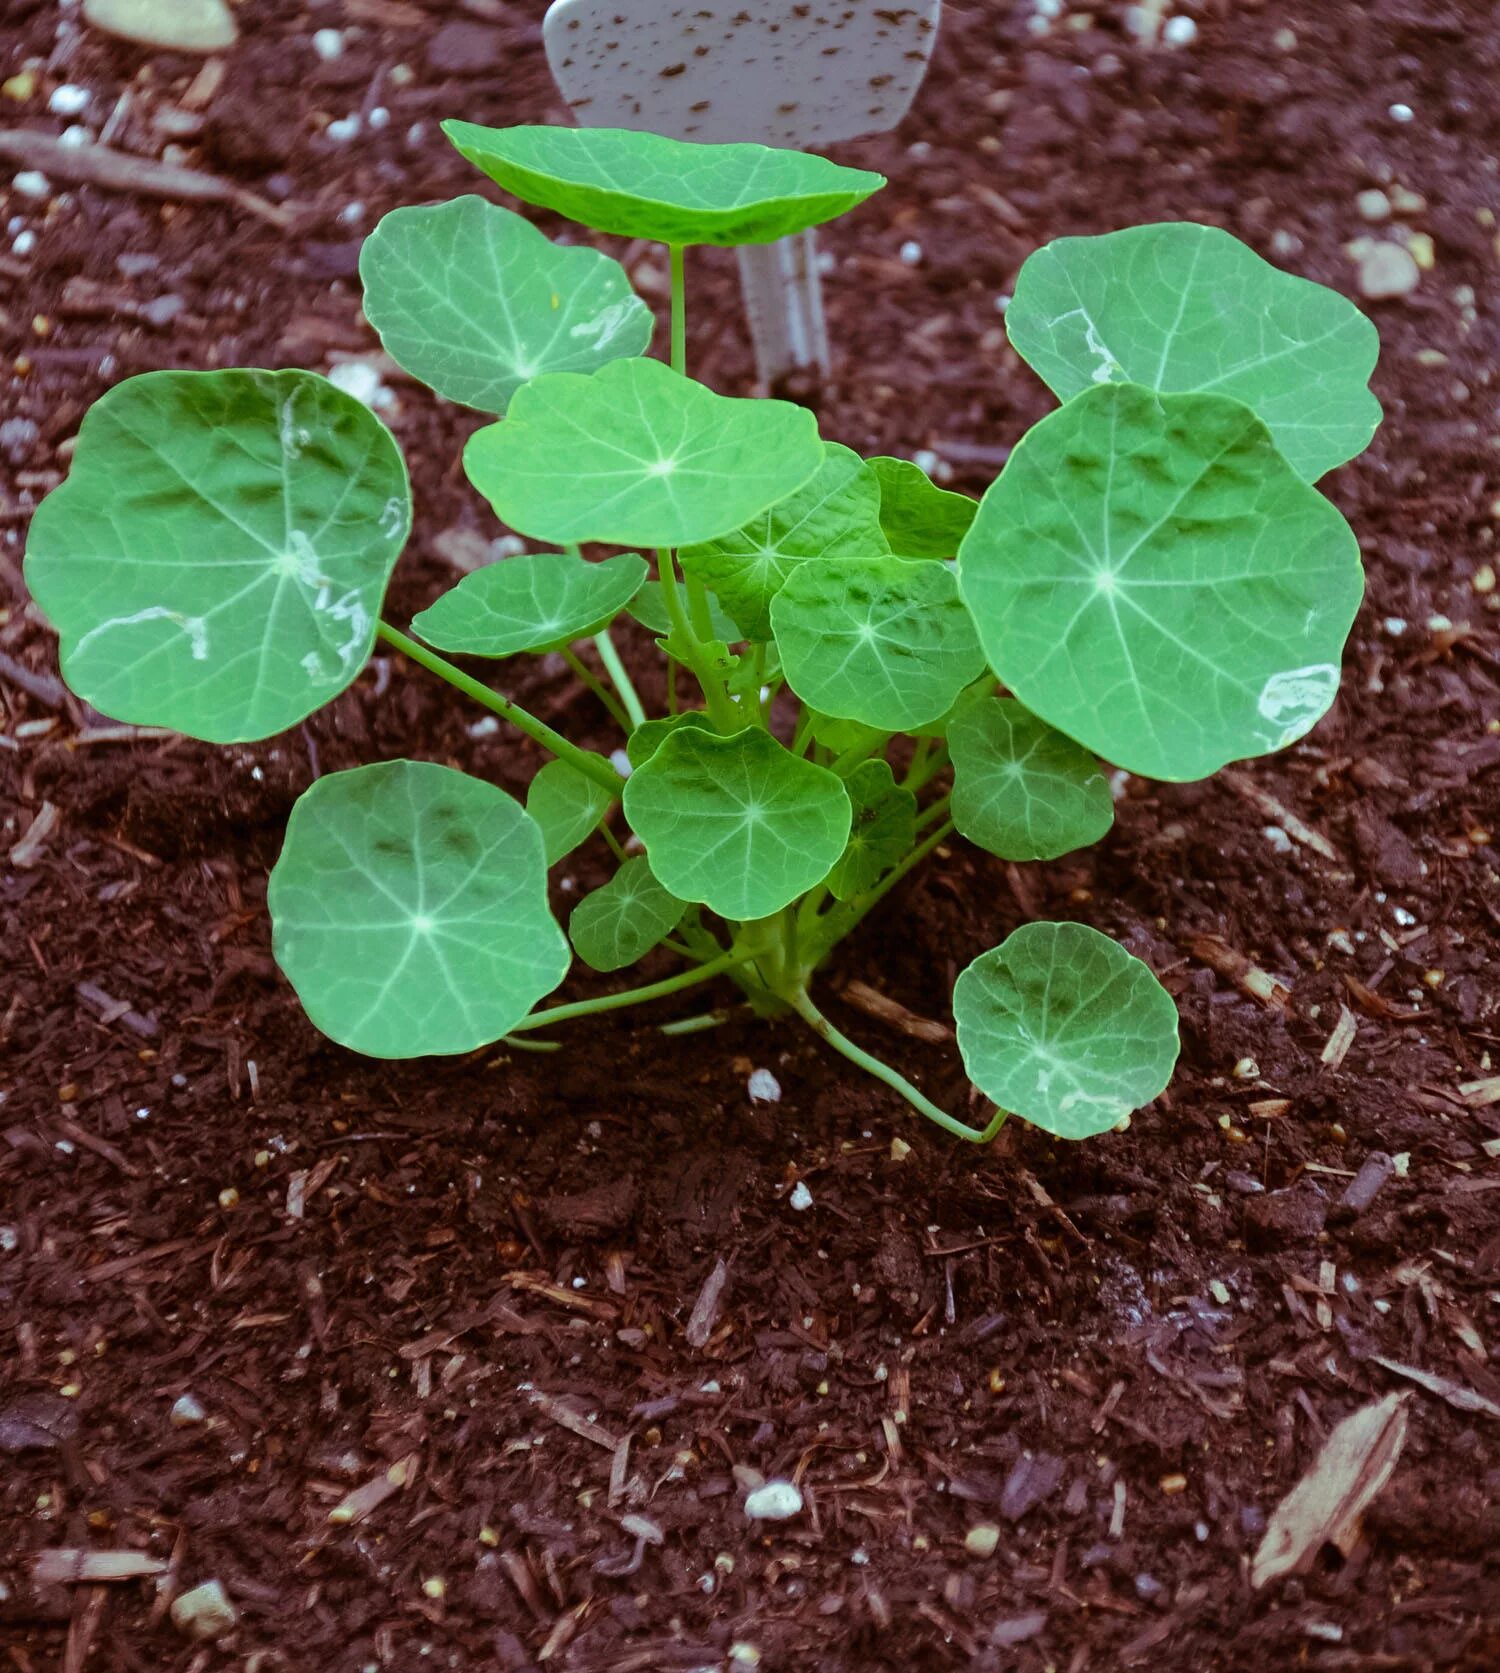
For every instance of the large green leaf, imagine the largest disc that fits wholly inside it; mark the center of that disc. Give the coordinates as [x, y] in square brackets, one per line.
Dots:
[410, 910]
[641, 185]
[836, 513]
[1060, 1025]
[883, 641]
[882, 833]
[1180, 307]
[474, 301]
[1020, 789]
[738, 823]
[637, 455]
[650, 609]
[566, 805]
[920, 520]
[1151, 577]
[624, 920]
[535, 602]
[216, 559]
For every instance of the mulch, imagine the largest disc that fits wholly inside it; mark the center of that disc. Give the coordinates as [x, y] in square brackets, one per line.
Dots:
[472, 1364]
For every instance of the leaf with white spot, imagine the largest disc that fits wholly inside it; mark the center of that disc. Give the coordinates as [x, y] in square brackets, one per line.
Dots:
[409, 909]
[1021, 789]
[883, 641]
[472, 300]
[1063, 1027]
[539, 601]
[622, 921]
[216, 559]
[883, 831]
[643, 185]
[567, 806]
[920, 519]
[738, 823]
[1151, 577]
[1179, 308]
[635, 454]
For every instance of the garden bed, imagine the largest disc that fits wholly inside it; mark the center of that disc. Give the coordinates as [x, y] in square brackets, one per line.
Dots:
[1115, 1358]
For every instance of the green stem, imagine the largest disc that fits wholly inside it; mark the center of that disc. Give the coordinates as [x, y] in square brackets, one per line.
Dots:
[679, 310]
[925, 767]
[590, 765]
[631, 996]
[837, 923]
[617, 672]
[597, 686]
[822, 1027]
[855, 754]
[721, 706]
[803, 736]
[938, 810]
[695, 1025]
[614, 842]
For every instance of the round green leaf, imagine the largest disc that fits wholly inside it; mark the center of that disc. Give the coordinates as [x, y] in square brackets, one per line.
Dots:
[567, 806]
[624, 920]
[1179, 307]
[637, 455]
[472, 300]
[1020, 789]
[640, 185]
[538, 601]
[882, 641]
[1062, 1026]
[216, 559]
[409, 907]
[738, 823]
[647, 738]
[835, 513]
[882, 833]
[1151, 577]
[920, 520]
[650, 609]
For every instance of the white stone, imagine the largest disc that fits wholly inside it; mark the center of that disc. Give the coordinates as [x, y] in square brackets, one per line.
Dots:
[69, 100]
[328, 44]
[343, 129]
[620, 761]
[1278, 839]
[186, 1412]
[1401, 113]
[1373, 205]
[911, 252]
[25, 243]
[777, 1501]
[1387, 270]
[763, 1087]
[32, 183]
[357, 378]
[1395, 626]
[1179, 31]
[205, 1613]
[801, 1198]
[177, 25]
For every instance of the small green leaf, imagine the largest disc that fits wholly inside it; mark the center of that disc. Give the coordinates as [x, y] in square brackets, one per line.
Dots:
[647, 738]
[836, 513]
[1063, 1027]
[974, 692]
[647, 457]
[216, 559]
[1020, 789]
[538, 601]
[883, 641]
[1151, 577]
[1179, 307]
[650, 609]
[883, 831]
[621, 922]
[920, 520]
[640, 185]
[472, 300]
[409, 907]
[566, 806]
[738, 823]
[840, 736]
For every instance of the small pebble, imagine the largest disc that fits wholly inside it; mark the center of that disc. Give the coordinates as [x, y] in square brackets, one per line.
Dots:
[620, 761]
[68, 100]
[1401, 113]
[1278, 839]
[328, 44]
[911, 252]
[378, 118]
[1373, 205]
[801, 1199]
[1387, 270]
[1395, 626]
[32, 183]
[352, 214]
[1179, 31]
[776, 1501]
[204, 1613]
[357, 378]
[764, 1088]
[186, 1412]
[343, 128]
[75, 137]
[25, 242]
[982, 1539]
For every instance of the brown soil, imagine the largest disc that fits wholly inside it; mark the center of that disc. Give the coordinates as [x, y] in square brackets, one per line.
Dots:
[1122, 1354]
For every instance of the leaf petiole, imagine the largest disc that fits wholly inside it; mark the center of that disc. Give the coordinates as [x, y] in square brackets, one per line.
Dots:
[597, 686]
[632, 996]
[629, 696]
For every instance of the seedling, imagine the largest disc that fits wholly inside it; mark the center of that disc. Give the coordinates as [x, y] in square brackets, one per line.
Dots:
[875, 663]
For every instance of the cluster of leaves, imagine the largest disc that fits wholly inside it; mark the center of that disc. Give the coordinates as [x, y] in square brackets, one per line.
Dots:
[1153, 580]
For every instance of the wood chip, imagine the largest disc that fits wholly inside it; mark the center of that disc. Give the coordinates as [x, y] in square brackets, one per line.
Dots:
[68, 1566]
[1478, 1094]
[566, 1417]
[1296, 828]
[1351, 1469]
[1460, 1398]
[705, 1313]
[370, 1495]
[875, 1004]
[1336, 1047]
[30, 848]
[1219, 956]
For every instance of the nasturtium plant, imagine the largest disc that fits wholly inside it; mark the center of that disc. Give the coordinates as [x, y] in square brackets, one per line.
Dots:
[856, 665]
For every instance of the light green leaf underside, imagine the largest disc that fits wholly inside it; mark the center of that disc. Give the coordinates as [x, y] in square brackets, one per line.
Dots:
[647, 738]
[535, 602]
[1021, 789]
[640, 185]
[647, 457]
[882, 833]
[650, 609]
[472, 300]
[409, 909]
[1063, 1027]
[1179, 307]
[1151, 577]
[920, 520]
[622, 921]
[738, 823]
[882, 641]
[216, 559]
[566, 806]
[836, 513]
